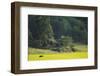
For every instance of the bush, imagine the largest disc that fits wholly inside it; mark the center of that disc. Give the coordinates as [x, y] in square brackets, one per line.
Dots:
[66, 41]
[73, 48]
[56, 49]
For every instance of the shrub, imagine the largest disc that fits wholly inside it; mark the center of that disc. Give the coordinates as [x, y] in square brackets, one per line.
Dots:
[66, 41]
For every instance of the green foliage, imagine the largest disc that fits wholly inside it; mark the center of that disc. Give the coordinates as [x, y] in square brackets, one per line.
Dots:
[41, 31]
[30, 38]
[57, 32]
[66, 40]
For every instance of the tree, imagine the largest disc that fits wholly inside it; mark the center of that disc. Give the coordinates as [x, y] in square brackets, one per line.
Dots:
[30, 39]
[46, 31]
[43, 32]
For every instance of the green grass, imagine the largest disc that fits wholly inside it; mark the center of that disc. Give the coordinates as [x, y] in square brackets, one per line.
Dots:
[72, 55]
[39, 51]
[81, 48]
[34, 54]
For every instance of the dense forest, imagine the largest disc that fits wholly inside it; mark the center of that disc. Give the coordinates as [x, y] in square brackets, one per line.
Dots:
[56, 31]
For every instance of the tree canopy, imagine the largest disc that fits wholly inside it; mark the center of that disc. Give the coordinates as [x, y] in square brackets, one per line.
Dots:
[46, 31]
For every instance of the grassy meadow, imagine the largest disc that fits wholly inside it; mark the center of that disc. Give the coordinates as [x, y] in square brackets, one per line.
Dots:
[46, 54]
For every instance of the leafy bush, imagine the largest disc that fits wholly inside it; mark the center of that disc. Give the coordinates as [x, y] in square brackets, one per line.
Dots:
[66, 41]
